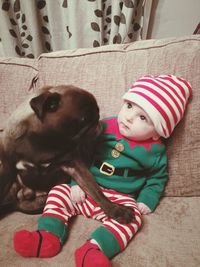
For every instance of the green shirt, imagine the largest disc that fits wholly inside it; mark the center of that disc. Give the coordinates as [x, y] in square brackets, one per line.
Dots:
[147, 159]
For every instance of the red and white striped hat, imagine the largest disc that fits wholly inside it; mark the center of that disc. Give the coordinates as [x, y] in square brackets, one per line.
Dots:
[163, 98]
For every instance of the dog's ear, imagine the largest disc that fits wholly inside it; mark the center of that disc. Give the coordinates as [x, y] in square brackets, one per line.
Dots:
[45, 102]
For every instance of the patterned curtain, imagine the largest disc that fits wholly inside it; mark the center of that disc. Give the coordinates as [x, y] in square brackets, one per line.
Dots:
[31, 27]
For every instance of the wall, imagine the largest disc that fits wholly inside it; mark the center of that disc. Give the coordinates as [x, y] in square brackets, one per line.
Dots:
[173, 18]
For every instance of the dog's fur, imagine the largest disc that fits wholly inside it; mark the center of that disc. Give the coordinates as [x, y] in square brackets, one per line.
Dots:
[50, 139]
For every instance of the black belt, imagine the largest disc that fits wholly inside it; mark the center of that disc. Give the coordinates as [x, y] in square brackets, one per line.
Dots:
[108, 169]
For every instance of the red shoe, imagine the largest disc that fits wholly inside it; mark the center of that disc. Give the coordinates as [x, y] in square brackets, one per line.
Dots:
[89, 255]
[36, 244]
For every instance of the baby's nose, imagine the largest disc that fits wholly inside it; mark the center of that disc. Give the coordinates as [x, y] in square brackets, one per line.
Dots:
[130, 118]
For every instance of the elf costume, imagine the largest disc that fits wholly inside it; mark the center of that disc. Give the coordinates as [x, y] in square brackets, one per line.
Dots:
[127, 171]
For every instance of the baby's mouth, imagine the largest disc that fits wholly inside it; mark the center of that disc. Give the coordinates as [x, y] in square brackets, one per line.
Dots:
[124, 126]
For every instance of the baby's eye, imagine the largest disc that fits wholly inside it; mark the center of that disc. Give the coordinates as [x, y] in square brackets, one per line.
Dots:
[142, 117]
[129, 105]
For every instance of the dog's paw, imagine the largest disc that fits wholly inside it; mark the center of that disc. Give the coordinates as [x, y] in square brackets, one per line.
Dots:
[121, 214]
[32, 206]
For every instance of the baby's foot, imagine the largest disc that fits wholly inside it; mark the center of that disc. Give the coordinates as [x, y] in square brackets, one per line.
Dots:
[36, 244]
[89, 255]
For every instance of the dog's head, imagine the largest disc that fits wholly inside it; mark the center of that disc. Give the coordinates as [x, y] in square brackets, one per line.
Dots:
[65, 113]
[65, 123]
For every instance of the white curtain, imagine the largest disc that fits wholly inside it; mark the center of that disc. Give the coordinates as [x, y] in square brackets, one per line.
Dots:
[31, 27]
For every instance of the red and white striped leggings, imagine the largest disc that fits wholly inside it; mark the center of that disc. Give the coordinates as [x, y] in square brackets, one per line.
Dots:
[60, 205]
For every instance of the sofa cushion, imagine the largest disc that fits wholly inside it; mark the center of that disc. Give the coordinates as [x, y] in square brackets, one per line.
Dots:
[17, 76]
[169, 237]
[107, 71]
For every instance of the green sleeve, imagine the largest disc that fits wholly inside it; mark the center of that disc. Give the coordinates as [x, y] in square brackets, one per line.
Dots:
[155, 183]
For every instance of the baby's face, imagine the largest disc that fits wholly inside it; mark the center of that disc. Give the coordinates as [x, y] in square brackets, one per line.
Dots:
[135, 124]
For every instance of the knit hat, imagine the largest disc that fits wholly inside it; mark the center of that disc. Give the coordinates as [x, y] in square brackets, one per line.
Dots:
[163, 98]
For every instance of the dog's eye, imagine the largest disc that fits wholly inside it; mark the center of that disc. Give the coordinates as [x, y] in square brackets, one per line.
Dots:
[51, 104]
[83, 119]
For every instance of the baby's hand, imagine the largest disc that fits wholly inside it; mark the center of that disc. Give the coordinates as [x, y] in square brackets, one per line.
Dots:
[143, 208]
[77, 194]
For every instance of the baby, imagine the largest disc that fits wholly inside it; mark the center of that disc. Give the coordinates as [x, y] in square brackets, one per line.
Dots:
[131, 170]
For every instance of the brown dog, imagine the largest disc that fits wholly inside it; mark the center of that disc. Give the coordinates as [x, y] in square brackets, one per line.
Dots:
[48, 140]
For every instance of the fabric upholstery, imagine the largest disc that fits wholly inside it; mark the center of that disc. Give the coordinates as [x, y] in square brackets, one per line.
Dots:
[107, 71]
[171, 235]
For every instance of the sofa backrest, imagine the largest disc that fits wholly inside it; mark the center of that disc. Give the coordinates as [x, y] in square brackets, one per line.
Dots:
[17, 77]
[107, 71]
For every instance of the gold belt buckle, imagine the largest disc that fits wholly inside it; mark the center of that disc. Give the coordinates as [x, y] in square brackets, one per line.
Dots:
[107, 169]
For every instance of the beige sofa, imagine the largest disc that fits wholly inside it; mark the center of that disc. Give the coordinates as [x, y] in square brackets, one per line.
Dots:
[170, 237]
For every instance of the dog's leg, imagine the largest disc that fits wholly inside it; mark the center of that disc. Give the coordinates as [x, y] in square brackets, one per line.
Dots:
[30, 201]
[85, 180]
